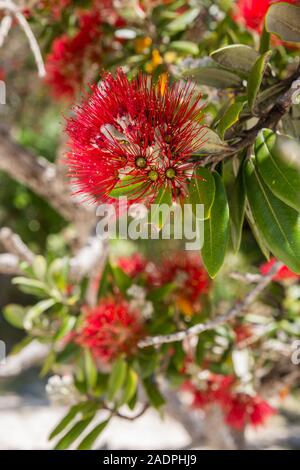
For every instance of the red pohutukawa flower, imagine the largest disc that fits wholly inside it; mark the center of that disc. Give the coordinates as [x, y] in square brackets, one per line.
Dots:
[282, 274]
[135, 133]
[70, 55]
[111, 329]
[239, 409]
[251, 13]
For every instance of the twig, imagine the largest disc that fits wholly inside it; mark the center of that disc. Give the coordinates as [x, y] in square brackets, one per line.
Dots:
[269, 120]
[15, 246]
[42, 177]
[4, 28]
[17, 13]
[220, 320]
[31, 355]
[247, 277]
[9, 264]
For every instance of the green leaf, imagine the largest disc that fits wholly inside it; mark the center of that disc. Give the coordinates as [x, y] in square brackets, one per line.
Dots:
[90, 439]
[255, 78]
[278, 161]
[74, 433]
[130, 387]
[256, 233]
[160, 293]
[66, 326]
[153, 393]
[164, 196]
[186, 47]
[14, 314]
[30, 286]
[202, 190]
[90, 368]
[116, 378]
[39, 267]
[283, 20]
[36, 310]
[214, 77]
[230, 117]
[237, 57]
[216, 230]
[127, 186]
[104, 281]
[212, 143]
[122, 280]
[183, 20]
[237, 201]
[68, 418]
[278, 223]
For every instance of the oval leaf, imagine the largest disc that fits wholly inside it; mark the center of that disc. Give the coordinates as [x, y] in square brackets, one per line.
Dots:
[116, 378]
[230, 117]
[237, 200]
[202, 190]
[278, 223]
[255, 78]
[89, 440]
[214, 77]
[283, 20]
[278, 161]
[216, 230]
[236, 57]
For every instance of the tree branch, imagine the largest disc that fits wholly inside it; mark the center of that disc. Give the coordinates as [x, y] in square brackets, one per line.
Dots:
[42, 177]
[269, 120]
[220, 320]
[15, 246]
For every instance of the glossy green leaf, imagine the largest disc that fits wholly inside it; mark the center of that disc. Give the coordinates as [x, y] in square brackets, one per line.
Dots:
[153, 393]
[278, 161]
[66, 326]
[216, 230]
[90, 368]
[278, 223]
[237, 57]
[130, 386]
[116, 378]
[283, 19]
[202, 190]
[237, 200]
[74, 433]
[230, 117]
[256, 232]
[214, 77]
[89, 440]
[256, 77]
[68, 418]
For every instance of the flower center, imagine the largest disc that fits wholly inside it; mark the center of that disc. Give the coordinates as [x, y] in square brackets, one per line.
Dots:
[140, 162]
[170, 173]
[153, 175]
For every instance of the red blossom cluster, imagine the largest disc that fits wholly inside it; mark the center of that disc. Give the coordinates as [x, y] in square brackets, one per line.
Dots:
[251, 13]
[283, 273]
[133, 265]
[135, 136]
[240, 409]
[111, 329]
